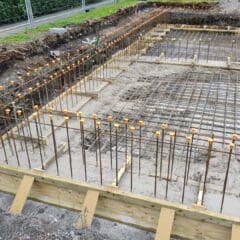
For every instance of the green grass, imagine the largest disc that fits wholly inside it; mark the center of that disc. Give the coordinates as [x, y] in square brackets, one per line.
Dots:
[38, 32]
[35, 33]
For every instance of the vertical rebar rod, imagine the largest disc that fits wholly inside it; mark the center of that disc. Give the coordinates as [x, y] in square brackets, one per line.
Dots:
[210, 143]
[116, 126]
[140, 124]
[231, 146]
[188, 139]
[132, 129]
[7, 126]
[156, 162]
[66, 120]
[83, 148]
[54, 143]
[19, 114]
[193, 130]
[126, 138]
[98, 123]
[110, 119]
[95, 135]
[171, 135]
[173, 152]
[38, 139]
[163, 127]
[4, 149]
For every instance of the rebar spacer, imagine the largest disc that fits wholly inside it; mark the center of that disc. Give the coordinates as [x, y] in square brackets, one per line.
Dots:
[140, 123]
[158, 134]
[109, 118]
[7, 111]
[94, 116]
[210, 141]
[234, 137]
[193, 131]
[82, 122]
[126, 121]
[171, 135]
[132, 129]
[188, 139]
[164, 126]
[231, 145]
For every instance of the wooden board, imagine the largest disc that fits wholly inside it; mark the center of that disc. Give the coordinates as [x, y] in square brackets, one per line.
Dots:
[22, 194]
[88, 210]
[165, 224]
[235, 232]
[113, 204]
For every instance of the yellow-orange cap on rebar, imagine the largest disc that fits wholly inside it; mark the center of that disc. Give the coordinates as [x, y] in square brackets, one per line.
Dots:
[116, 125]
[49, 110]
[19, 112]
[1, 88]
[30, 90]
[82, 122]
[65, 112]
[157, 134]
[98, 123]
[140, 123]
[231, 145]
[163, 126]
[94, 116]
[210, 141]
[79, 114]
[7, 111]
[126, 121]
[171, 135]
[34, 115]
[35, 107]
[66, 119]
[109, 118]
[132, 129]
[188, 139]
[234, 137]
[193, 131]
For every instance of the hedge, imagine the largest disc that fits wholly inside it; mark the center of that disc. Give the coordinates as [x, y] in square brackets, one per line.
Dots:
[14, 10]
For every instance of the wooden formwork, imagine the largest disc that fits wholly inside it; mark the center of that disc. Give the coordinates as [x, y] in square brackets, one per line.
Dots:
[150, 214]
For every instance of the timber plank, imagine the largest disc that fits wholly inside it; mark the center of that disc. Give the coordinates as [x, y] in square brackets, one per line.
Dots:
[21, 195]
[235, 232]
[88, 209]
[165, 224]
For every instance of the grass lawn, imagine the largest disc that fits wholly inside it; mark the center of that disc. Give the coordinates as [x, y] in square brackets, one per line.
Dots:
[37, 32]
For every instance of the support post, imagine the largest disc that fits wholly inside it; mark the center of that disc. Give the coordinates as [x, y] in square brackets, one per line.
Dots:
[29, 12]
[21, 195]
[165, 224]
[88, 210]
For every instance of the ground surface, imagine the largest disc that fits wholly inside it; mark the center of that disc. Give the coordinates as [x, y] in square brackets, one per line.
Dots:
[42, 222]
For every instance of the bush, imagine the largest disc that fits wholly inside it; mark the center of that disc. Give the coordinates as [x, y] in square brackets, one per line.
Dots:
[14, 10]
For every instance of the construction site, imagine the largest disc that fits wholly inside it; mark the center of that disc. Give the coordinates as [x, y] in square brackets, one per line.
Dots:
[124, 127]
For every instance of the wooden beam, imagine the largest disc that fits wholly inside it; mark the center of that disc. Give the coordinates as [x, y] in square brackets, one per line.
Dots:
[22, 194]
[235, 232]
[85, 94]
[88, 210]
[42, 140]
[132, 209]
[165, 224]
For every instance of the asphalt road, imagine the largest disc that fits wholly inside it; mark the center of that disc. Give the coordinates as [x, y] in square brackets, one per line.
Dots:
[21, 26]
